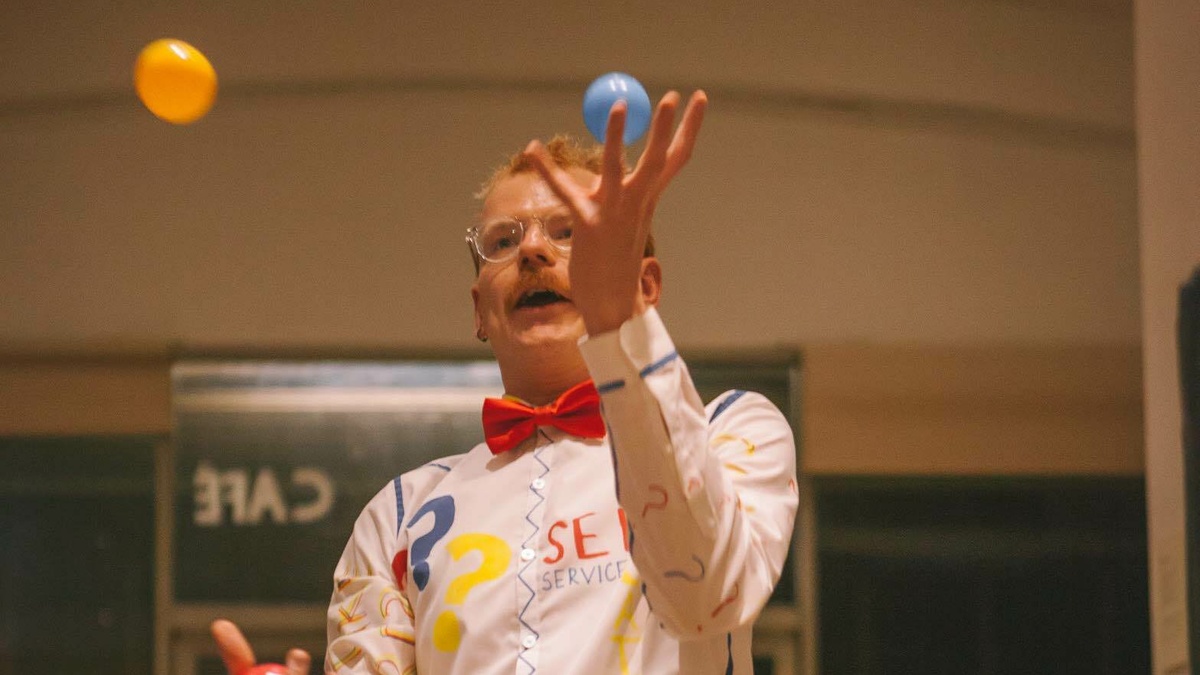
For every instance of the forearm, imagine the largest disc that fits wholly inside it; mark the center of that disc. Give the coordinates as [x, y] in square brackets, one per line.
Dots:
[710, 522]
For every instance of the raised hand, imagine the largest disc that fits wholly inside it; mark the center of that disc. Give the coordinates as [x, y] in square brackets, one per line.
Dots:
[239, 657]
[614, 216]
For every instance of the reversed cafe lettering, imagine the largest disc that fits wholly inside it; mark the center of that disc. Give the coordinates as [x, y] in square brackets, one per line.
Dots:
[245, 496]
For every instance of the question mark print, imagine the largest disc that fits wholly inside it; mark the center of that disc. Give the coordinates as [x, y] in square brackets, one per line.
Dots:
[656, 505]
[447, 632]
[680, 574]
[443, 517]
[725, 603]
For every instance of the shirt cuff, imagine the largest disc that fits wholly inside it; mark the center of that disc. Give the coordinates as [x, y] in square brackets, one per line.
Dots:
[635, 348]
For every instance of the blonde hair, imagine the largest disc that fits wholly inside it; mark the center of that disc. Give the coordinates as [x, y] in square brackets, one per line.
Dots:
[567, 152]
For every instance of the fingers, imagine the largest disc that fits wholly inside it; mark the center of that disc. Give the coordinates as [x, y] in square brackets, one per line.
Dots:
[613, 167]
[654, 156]
[298, 662]
[235, 650]
[685, 136]
[564, 187]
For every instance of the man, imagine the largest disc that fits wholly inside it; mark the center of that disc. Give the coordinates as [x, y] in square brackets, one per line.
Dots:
[643, 541]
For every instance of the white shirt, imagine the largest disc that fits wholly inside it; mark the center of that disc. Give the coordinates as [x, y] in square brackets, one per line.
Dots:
[650, 551]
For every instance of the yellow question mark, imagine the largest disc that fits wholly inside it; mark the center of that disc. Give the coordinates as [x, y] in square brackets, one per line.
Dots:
[447, 633]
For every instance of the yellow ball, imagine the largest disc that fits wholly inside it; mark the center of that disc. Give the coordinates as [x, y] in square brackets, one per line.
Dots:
[175, 81]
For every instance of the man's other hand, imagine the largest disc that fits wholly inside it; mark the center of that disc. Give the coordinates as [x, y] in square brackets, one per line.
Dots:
[239, 657]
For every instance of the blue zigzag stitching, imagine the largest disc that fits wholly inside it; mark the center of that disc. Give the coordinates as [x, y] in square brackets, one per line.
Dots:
[537, 455]
[723, 405]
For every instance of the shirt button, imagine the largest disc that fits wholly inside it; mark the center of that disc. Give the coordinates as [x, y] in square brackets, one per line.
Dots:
[529, 640]
[527, 554]
[538, 483]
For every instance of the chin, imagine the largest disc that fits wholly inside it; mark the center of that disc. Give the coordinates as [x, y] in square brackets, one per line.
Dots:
[550, 334]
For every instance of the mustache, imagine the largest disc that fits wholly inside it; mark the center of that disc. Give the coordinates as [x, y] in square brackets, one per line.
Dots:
[539, 278]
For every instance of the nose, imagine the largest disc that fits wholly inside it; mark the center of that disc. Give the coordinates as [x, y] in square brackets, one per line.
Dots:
[535, 250]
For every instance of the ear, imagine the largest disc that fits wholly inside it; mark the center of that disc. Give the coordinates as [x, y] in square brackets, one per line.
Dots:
[650, 284]
[475, 302]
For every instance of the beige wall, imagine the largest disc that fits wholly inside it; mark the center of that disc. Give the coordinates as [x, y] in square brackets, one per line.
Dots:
[1168, 110]
[926, 196]
[84, 395]
[934, 179]
[931, 173]
[873, 409]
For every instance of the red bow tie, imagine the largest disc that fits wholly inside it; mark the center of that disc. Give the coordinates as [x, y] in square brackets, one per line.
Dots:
[506, 422]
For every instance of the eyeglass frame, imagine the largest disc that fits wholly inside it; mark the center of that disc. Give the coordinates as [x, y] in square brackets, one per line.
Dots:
[473, 233]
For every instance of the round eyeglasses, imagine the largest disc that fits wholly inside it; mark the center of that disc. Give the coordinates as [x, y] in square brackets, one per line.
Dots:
[497, 240]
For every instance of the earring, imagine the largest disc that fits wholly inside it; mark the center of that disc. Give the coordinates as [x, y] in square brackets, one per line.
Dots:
[479, 335]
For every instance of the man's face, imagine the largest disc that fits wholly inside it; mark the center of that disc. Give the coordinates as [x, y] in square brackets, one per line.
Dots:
[525, 303]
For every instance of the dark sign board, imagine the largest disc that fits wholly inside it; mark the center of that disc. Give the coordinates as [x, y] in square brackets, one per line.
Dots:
[274, 461]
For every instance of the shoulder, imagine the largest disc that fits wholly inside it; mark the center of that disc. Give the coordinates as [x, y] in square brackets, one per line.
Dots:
[414, 485]
[753, 436]
[399, 494]
[740, 405]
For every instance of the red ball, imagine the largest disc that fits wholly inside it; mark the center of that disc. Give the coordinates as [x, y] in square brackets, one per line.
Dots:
[265, 669]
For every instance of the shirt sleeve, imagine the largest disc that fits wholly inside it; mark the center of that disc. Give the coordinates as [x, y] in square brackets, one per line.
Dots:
[710, 496]
[369, 625]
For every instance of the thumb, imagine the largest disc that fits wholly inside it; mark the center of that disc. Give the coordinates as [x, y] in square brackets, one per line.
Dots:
[298, 662]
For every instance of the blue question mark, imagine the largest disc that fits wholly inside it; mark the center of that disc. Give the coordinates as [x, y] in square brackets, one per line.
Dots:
[443, 517]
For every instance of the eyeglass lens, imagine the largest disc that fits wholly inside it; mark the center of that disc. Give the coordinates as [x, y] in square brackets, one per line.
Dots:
[499, 239]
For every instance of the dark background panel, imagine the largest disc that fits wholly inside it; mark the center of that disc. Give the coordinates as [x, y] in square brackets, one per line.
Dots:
[987, 577]
[76, 555]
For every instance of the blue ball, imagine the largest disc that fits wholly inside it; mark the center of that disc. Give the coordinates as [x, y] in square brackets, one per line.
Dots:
[604, 92]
